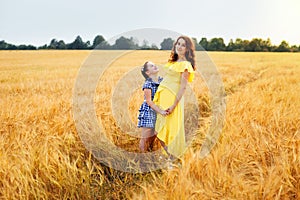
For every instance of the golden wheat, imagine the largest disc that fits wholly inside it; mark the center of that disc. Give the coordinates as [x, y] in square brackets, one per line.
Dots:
[42, 156]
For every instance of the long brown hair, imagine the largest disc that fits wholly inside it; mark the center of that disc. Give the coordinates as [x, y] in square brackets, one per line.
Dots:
[189, 54]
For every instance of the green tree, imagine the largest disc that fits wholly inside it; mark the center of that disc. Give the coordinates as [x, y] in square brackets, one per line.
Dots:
[283, 47]
[203, 42]
[61, 45]
[216, 44]
[7, 46]
[154, 47]
[254, 45]
[125, 43]
[3, 45]
[294, 48]
[11, 47]
[43, 47]
[230, 46]
[240, 45]
[145, 45]
[197, 45]
[26, 47]
[97, 41]
[266, 45]
[53, 44]
[77, 44]
[167, 44]
[22, 47]
[104, 45]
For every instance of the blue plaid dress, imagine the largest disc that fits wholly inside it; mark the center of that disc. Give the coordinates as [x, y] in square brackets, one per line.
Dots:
[147, 116]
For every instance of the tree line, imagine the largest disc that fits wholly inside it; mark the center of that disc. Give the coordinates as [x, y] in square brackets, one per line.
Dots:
[123, 43]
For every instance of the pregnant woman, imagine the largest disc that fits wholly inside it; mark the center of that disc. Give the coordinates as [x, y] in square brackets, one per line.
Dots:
[169, 96]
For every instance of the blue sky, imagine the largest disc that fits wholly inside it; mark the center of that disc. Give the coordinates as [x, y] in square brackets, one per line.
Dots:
[37, 21]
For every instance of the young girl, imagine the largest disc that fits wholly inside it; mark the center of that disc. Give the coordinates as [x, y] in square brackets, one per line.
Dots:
[148, 110]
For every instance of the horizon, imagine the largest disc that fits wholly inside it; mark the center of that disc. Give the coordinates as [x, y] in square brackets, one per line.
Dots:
[140, 41]
[37, 23]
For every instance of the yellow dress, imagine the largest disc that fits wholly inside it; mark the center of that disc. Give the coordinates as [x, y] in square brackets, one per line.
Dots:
[170, 129]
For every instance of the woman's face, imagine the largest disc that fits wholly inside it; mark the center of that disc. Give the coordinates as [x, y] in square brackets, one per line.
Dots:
[180, 47]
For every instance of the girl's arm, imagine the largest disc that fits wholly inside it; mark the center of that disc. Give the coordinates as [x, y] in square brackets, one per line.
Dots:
[147, 93]
[183, 84]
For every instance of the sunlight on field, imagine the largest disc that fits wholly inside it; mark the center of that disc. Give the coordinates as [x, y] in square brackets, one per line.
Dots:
[42, 156]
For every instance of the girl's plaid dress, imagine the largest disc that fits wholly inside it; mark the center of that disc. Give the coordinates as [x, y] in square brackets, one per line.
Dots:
[147, 116]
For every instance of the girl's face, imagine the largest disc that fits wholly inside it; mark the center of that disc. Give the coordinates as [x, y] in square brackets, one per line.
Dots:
[180, 47]
[152, 68]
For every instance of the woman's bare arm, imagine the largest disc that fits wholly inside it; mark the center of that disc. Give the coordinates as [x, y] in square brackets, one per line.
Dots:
[183, 84]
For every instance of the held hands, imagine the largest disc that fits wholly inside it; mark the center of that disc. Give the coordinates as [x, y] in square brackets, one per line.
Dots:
[167, 111]
[163, 112]
[170, 109]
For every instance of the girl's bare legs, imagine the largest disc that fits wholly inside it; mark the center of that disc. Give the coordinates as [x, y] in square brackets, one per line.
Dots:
[151, 140]
[147, 139]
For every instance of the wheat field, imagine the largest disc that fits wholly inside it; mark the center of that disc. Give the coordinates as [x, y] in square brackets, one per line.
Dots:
[43, 157]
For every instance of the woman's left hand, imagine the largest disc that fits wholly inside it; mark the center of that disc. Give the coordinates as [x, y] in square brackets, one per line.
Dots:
[170, 109]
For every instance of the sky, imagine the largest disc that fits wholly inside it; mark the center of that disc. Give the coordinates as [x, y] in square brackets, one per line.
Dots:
[36, 22]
